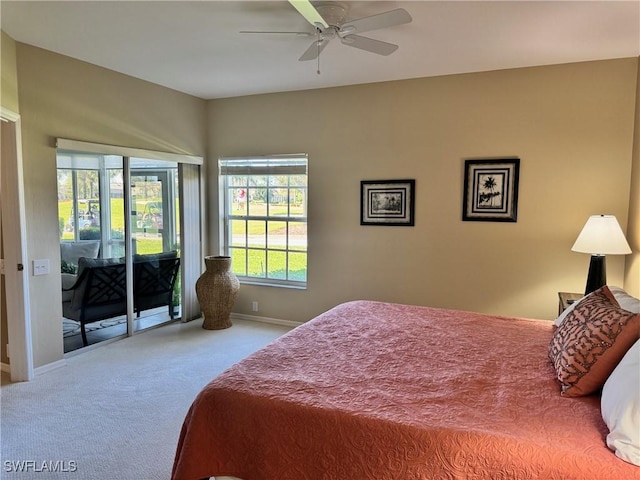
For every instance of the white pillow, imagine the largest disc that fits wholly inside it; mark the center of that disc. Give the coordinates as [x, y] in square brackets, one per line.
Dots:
[567, 311]
[626, 301]
[70, 252]
[620, 404]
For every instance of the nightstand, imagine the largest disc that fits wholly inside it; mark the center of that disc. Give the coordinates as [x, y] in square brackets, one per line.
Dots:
[566, 299]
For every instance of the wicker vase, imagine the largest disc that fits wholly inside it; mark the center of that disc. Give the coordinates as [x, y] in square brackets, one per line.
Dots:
[217, 292]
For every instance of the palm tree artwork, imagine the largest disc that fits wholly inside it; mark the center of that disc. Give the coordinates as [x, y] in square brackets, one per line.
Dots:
[489, 192]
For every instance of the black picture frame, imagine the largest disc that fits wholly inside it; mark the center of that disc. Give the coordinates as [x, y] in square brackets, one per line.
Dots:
[491, 190]
[387, 202]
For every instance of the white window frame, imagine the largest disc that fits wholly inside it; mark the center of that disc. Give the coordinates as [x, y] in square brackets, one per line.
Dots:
[292, 164]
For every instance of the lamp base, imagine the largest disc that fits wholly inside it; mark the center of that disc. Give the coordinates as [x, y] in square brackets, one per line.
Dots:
[597, 273]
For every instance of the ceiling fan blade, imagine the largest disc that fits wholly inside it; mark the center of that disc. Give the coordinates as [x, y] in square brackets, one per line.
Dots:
[309, 12]
[314, 50]
[301, 34]
[369, 44]
[375, 22]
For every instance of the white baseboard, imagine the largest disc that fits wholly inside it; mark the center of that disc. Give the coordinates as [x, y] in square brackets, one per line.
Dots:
[275, 321]
[5, 367]
[50, 366]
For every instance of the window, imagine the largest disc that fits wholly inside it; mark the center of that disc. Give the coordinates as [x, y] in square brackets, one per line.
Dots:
[265, 218]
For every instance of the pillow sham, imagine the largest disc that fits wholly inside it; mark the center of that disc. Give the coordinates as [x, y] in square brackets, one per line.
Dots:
[620, 405]
[590, 342]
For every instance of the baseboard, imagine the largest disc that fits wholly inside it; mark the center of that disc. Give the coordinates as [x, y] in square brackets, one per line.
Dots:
[274, 321]
[50, 366]
[5, 367]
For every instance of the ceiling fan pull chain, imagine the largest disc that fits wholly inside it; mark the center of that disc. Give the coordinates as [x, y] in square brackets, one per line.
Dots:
[318, 44]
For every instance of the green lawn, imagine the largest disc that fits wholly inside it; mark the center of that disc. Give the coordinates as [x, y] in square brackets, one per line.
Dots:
[253, 233]
[144, 245]
[258, 260]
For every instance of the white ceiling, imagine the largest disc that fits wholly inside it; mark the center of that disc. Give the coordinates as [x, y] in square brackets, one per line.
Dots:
[196, 47]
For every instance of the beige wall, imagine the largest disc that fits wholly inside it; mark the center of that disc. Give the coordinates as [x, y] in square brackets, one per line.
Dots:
[63, 97]
[571, 126]
[632, 265]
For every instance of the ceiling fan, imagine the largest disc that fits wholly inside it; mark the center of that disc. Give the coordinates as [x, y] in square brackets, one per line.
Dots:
[329, 22]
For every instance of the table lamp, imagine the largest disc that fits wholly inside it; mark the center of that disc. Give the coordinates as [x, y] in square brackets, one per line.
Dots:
[600, 236]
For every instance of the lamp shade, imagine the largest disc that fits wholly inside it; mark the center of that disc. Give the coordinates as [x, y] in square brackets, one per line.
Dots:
[602, 235]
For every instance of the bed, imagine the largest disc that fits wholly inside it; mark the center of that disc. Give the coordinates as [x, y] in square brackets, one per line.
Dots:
[373, 390]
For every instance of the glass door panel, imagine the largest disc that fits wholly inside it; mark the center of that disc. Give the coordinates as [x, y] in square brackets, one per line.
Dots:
[91, 220]
[156, 242]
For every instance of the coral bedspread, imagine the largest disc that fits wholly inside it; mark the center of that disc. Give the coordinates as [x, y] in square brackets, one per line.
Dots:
[372, 390]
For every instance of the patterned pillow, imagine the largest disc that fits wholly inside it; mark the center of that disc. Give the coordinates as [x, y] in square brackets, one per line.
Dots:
[591, 341]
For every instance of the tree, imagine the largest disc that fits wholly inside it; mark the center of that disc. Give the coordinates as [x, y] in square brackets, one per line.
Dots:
[489, 184]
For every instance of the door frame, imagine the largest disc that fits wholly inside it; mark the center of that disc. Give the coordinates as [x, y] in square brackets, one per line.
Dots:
[16, 269]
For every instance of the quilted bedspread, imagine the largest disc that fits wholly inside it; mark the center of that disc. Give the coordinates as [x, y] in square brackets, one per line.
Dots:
[372, 390]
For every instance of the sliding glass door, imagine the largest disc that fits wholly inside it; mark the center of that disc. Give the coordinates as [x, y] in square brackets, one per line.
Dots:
[119, 245]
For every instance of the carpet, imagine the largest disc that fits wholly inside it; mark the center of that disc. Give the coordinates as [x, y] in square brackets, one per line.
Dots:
[115, 412]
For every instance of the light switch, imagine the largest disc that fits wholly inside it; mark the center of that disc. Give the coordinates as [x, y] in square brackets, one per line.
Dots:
[41, 266]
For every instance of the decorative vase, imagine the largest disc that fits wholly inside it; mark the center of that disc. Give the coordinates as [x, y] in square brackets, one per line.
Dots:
[217, 292]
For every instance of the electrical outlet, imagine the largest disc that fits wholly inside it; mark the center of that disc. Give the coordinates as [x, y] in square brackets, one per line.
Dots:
[254, 306]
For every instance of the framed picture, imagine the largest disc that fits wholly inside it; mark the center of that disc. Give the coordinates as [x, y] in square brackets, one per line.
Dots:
[387, 202]
[491, 190]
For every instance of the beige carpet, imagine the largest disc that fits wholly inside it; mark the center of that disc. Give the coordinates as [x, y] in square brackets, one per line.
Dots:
[115, 412]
